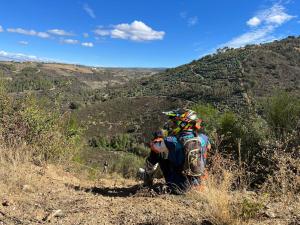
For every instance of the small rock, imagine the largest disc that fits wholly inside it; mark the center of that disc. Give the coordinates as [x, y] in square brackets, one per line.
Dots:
[55, 213]
[270, 214]
[6, 203]
[58, 213]
[27, 188]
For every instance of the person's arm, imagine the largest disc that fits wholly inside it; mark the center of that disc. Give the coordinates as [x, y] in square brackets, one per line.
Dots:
[153, 158]
[150, 167]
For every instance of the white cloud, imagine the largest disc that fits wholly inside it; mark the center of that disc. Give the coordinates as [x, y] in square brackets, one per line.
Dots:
[20, 57]
[23, 42]
[252, 37]
[86, 35]
[102, 32]
[22, 31]
[42, 35]
[183, 14]
[89, 11]
[253, 22]
[190, 20]
[29, 32]
[87, 44]
[275, 15]
[136, 31]
[60, 32]
[3, 53]
[69, 41]
[263, 25]
[1, 28]
[193, 21]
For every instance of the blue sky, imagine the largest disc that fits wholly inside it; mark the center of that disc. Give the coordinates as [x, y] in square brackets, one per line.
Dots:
[139, 33]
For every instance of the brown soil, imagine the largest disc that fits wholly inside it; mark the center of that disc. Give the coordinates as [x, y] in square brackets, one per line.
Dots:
[68, 67]
[106, 201]
[50, 195]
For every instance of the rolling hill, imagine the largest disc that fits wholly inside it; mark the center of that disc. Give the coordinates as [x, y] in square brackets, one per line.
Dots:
[231, 80]
[50, 176]
[103, 98]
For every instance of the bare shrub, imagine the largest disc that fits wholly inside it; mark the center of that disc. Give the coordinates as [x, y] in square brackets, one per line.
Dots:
[284, 169]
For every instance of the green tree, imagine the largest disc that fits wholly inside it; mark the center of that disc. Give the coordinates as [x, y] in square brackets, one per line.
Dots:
[209, 115]
[282, 112]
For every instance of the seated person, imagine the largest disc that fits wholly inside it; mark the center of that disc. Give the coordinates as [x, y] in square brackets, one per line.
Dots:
[169, 150]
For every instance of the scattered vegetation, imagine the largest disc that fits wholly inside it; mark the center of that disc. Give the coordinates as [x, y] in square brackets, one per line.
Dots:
[50, 116]
[120, 142]
[282, 112]
[32, 126]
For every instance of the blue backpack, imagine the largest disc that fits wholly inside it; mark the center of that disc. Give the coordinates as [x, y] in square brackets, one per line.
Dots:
[189, 152]
[195, 151]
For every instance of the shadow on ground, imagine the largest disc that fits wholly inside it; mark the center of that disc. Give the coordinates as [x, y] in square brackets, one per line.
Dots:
[133, 191]
[107, 191]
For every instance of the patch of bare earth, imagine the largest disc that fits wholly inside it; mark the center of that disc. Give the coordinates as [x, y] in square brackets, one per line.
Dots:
[67, 67]
[50, 195]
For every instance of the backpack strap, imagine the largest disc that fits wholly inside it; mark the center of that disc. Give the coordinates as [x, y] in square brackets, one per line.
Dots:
[204, 143]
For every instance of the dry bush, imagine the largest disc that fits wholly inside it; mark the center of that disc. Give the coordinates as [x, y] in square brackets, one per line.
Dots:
[217, 200]
[224, 199]
[284, 171]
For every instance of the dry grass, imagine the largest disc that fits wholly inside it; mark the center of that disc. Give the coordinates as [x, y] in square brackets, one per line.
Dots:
[224, 202]
[33, 192]
[15, 169]
[217, 200]
[285, 177]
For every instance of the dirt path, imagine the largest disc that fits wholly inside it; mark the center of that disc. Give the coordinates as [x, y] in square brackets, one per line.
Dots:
[196, 74]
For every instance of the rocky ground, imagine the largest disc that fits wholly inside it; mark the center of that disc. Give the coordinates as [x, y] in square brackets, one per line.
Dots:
[50, 195]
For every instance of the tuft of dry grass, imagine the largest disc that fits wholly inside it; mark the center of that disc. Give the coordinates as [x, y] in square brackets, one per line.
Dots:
[226, 201]
[217, 201]
[37, 190]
